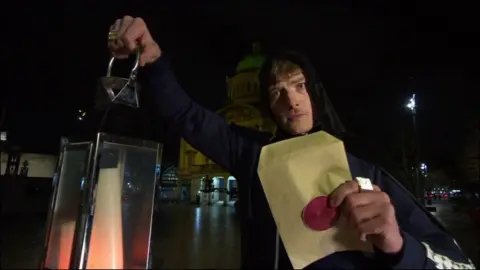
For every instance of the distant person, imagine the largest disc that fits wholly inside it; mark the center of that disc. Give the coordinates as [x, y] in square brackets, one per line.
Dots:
[403, 234]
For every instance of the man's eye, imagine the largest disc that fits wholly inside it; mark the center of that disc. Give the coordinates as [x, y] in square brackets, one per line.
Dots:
[274, 93]
[301, 85]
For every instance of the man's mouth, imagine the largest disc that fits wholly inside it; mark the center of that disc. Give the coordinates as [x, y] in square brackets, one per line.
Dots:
[295, 117]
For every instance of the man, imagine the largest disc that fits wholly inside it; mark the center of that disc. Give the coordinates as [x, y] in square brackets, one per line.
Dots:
[401, 232]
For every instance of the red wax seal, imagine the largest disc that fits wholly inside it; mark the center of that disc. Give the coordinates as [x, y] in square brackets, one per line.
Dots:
[318, 215]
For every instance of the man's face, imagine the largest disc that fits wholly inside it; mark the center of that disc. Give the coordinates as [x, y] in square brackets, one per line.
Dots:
[290, 103]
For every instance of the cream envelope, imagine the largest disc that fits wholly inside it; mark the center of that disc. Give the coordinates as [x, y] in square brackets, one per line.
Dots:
[292, 173]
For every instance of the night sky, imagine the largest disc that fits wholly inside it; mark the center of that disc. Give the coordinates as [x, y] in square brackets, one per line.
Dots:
[369, 58]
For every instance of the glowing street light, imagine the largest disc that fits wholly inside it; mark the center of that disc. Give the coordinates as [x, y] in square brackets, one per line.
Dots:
[412, 105]
[423, 167]
[81, 115]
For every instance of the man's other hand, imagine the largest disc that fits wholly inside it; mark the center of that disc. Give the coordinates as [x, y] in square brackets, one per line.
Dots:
[127, 35]
[371, 214]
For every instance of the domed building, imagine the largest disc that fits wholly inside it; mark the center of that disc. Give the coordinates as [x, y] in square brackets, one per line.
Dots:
[242, 108]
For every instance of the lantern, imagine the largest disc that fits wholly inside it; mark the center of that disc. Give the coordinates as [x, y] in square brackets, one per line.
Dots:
[102, 205]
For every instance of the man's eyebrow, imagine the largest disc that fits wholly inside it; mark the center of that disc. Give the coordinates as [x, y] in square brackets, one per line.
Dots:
[298, 80]
[295, 80]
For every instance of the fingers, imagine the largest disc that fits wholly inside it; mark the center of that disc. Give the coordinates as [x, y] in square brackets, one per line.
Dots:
[130, 34]
[354, 200]
[338, 195]
[359, 208]
[116, 45]
[133, 32]
[151, 50]
[377, 224]
[123, 44]
[361, 214]
[125, 23]
[370, 213]
[114, 27]
[342, 191]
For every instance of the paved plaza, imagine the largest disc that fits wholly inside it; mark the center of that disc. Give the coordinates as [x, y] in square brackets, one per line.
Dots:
[187, 237]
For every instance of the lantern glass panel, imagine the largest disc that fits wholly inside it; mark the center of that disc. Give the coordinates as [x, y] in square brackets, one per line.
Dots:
[70, 179]
[122, 219]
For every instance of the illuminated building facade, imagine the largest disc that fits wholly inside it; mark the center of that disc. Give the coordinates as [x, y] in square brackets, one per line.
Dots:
[242, 108]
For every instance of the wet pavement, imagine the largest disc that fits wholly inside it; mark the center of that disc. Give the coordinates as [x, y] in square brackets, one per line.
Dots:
[184, 237]
[190, 237]
[187, 237]
[460, 225]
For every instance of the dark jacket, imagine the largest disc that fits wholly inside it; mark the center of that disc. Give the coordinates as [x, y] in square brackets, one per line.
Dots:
[237, 150]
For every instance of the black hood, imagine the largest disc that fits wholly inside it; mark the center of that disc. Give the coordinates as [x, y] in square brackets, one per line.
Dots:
[327, 118]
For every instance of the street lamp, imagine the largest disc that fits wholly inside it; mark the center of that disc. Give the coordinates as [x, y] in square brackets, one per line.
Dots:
[81, 115]
[3, 142]
[412, 107]
[423, 167]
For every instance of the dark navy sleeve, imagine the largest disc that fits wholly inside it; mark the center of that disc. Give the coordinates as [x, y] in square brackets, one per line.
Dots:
[426, 244]
[206, 131]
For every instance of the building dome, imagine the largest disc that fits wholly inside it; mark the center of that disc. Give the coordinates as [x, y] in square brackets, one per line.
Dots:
[251, 62]
[244, 86]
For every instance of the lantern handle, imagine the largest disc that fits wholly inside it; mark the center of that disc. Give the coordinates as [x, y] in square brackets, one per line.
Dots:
[134, 70]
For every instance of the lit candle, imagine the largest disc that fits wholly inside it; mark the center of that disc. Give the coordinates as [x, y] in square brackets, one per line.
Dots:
[106, 244]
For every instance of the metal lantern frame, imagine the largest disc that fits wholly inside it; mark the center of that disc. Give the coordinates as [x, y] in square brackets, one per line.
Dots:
[86, 212]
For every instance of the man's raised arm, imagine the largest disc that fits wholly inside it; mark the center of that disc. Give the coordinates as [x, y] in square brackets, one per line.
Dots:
[208, 132]
[166, 100]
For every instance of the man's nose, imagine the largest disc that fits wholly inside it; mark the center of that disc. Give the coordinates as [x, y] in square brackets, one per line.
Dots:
[291, 99]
